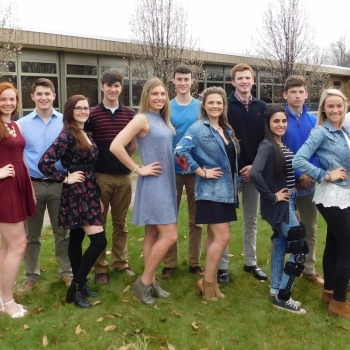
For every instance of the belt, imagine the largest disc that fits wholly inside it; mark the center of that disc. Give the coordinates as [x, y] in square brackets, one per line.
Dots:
[43, 179]
[81, 167]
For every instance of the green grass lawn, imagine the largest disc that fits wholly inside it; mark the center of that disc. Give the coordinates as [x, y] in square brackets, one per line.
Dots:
[245, 319]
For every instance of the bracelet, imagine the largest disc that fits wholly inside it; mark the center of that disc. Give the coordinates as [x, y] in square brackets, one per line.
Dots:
[329, 176]
[205, 173]
[135, 169]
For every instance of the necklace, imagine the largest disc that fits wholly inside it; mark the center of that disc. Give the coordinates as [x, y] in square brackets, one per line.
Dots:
[11, 131]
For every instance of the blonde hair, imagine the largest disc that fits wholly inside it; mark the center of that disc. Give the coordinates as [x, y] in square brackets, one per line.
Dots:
[145, 95]
[321, 115]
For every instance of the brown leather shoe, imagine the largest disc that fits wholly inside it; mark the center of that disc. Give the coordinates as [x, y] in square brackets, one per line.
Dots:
[101, 278]
[339, 309]
[197, 270]
[166, 273]
[314, 278]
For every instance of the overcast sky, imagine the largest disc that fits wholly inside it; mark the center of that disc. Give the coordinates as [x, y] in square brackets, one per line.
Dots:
[221, 25]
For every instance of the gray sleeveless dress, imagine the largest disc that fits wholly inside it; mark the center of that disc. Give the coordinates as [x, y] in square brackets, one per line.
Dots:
[155, 198]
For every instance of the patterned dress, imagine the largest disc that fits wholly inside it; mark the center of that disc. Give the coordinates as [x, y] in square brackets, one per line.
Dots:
[80, 202]
[16, 195]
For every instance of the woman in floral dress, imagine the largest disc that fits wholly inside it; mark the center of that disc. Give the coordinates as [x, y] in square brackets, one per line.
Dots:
[81, 208]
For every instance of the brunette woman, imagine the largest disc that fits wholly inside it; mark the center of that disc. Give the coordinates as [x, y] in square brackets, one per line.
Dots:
[273, 176]
[155, 200]
[80, 209]
[209, 148]
[17, 200]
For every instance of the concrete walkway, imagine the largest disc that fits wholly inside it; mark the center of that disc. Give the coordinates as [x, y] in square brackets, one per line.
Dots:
[47, 218]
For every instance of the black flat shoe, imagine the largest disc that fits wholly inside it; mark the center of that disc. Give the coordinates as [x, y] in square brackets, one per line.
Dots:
[257, 272]
[223, 276]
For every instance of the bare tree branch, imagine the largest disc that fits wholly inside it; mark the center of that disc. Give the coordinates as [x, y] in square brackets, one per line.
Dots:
[10, 35]
[339, 52]
[285, 45]
[162, 39]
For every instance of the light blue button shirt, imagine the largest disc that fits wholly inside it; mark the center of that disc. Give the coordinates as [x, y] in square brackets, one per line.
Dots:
[39, 137]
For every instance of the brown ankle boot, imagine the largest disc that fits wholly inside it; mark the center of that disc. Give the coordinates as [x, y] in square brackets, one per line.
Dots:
[200, 287]
[327, 297]
[209, 291]
[339, 309]
[217, 291]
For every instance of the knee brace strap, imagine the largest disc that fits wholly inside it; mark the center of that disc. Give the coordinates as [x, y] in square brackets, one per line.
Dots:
[293, 269]
[296, 241]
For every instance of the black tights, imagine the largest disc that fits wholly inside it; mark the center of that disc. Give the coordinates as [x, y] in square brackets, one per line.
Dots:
[336, 257]
[82, 264]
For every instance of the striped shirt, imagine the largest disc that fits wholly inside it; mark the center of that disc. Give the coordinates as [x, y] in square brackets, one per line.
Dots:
[290, 177]
[104, 126]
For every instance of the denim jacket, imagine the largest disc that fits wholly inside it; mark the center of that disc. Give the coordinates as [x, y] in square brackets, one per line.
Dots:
[203, 146]
[332, 150]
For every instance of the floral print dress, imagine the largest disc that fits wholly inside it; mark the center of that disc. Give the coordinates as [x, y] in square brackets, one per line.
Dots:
[80, 202]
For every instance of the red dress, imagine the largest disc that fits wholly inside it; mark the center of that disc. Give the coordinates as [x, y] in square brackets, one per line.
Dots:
[16, 196]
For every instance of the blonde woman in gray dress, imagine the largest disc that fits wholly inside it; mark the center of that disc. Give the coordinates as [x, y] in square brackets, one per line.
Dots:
[155, 200]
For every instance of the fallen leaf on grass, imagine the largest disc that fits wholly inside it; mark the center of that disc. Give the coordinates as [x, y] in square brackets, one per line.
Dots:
[136, 299]
[207, 331]
[119, 315]
[141, 239]
[343, 327]
[155, 306]
[110, 317]
[36, 311]
[108, 252]
[176, 313]
[126, 347]
[171, 347]
[96, 302]
[199, 314]
[78, 330]
[195, 325]
[100, 319]
[231, 255]
[43, 269]
[205, 302]
[222, 348]
[110, 328]
[25, 326]
[45, 342]
[141, 255]
[185, 237]
[126, 289]
[139, 330]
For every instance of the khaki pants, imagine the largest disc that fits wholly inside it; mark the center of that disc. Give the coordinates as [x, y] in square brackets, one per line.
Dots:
[47, 195]
[308, 216]
[195, 234]
[116, 193]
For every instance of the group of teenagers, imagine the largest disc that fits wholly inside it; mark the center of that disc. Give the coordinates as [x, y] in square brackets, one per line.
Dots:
[77, 166]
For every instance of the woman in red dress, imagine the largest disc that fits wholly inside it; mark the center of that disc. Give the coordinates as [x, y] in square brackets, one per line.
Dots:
[17, 200]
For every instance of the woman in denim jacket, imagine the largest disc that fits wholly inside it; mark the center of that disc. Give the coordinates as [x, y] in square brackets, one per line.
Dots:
[273, 176]
[331, 143]
[209, 148]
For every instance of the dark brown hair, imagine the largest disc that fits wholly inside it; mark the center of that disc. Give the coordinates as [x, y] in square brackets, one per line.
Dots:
[7, 86]
[294, 81]
[183, 69]
[43, 82]
[111, 76]
[70, 124]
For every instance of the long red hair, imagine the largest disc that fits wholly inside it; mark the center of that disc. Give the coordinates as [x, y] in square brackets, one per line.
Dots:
[5, 86]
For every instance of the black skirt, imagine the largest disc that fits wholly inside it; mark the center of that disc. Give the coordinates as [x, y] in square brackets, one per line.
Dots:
[209, 212]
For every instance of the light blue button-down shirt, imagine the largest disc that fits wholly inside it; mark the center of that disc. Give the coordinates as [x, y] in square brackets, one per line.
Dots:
[39, 136]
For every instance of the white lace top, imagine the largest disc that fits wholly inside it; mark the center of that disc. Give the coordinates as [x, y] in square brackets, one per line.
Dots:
[331, 195]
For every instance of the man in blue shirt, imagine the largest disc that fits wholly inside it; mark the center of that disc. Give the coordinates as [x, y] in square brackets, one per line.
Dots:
[300, 123]
[40, 128]
[184, 111]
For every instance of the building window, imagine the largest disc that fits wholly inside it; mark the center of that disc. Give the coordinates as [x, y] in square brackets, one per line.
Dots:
[83, 86]
[337, 84]
[76, 69]
[38, 67]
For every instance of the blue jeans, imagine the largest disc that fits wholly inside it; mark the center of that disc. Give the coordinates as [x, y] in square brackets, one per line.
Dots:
[279, 279]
